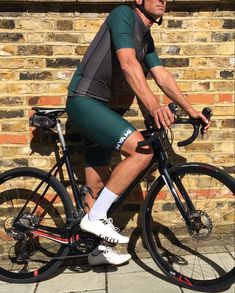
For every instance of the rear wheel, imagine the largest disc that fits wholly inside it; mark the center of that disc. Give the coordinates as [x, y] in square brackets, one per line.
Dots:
[29, 198]
[201, 256]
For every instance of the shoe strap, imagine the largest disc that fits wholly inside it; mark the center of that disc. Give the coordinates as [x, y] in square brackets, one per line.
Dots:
[109, 221]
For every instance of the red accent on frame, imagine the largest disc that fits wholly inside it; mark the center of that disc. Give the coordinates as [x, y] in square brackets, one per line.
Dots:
[51, 236]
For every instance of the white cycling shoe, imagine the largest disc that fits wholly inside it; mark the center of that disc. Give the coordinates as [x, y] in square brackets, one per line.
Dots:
[104, 229]
[106, 255]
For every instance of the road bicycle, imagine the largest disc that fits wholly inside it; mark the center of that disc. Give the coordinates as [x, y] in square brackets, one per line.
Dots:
[187, 215]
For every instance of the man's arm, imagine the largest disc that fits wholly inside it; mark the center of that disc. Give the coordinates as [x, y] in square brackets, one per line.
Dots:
[135, 77]
[167, 84]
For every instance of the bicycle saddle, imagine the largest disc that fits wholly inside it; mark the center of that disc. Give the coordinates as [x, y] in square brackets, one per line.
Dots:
[42, 111]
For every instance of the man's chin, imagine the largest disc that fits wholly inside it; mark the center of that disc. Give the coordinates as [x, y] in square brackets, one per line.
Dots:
[159, 15]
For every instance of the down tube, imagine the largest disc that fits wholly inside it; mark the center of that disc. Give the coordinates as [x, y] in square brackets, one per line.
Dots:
[142, 175]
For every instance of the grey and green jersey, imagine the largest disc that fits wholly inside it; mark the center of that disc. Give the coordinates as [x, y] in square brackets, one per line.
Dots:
[99, 75]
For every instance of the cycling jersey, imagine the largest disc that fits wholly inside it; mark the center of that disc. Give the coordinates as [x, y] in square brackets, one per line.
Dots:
[99, 75]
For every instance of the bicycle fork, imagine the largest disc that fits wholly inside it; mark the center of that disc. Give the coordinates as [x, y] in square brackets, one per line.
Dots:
[186, 212]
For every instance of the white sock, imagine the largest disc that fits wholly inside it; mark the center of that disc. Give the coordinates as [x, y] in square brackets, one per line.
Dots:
[102, 204]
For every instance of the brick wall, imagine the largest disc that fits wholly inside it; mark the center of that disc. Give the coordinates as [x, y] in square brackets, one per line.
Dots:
[41, 43]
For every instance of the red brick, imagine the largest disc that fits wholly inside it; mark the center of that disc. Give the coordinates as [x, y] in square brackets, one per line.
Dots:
[225, 98]
[196, 99]
[47, 100]
[201, 98]
[13, 138]
[166, 100]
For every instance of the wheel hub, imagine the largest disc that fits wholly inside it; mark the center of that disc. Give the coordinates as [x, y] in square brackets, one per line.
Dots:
[18, 230]
[201, 225]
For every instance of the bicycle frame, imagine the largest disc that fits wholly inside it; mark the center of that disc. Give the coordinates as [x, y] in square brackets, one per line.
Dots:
[160, 161]
[160, 158]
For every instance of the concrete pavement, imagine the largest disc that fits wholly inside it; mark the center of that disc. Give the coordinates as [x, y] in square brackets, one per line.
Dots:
[139, 276]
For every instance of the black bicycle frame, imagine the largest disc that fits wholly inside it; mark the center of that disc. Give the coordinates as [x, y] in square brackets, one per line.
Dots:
[65, 160]
[160, 161]
[161, 155]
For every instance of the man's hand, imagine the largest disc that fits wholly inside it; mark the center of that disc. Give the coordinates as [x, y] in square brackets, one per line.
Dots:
[163, 117]
[198, 115]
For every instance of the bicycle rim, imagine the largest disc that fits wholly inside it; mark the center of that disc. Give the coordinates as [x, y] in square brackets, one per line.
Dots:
[26, 257]
[201, 258]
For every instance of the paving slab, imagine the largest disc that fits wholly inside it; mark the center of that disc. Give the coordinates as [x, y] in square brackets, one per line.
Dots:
[74, 282]
[138, 282]
[17, 288]
[138, 265]
[138, 276]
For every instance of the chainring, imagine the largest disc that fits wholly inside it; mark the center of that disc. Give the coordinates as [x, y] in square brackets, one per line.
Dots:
[82, 242]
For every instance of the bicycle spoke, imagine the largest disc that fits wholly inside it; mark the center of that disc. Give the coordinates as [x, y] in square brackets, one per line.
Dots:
[28, 201]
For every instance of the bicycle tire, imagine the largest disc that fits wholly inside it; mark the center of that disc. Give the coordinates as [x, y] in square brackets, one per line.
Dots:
[173, 246]
[42, 256]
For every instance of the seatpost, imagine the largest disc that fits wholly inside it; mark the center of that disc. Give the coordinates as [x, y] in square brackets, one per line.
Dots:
[60, 134]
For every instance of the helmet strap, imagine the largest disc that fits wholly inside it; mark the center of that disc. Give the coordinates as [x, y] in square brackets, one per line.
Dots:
[146, 14]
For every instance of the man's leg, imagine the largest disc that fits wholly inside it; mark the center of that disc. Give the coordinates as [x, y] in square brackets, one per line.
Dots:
[123, 175]
[137, 159]
[96, 178]
[111, 131]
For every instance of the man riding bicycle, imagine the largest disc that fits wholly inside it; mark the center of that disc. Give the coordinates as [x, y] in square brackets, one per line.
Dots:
[114, 68]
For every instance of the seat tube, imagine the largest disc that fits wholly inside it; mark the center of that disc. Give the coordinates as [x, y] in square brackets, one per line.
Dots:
[69, 167]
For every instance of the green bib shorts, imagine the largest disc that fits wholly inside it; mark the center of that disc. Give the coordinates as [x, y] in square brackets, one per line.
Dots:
[100, 125]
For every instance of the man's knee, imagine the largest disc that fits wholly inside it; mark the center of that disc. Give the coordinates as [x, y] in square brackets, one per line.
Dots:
[130, 146]
[143, 155]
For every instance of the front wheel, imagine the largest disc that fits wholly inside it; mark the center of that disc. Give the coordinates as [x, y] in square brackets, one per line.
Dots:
[199, 257]
[29, 197]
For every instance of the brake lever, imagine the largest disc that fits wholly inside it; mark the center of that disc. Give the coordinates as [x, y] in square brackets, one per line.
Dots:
[173, 107]
[207, 112]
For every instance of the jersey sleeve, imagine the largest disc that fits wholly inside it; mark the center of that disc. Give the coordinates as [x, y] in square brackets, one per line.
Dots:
[121, 23]
[151, 58]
